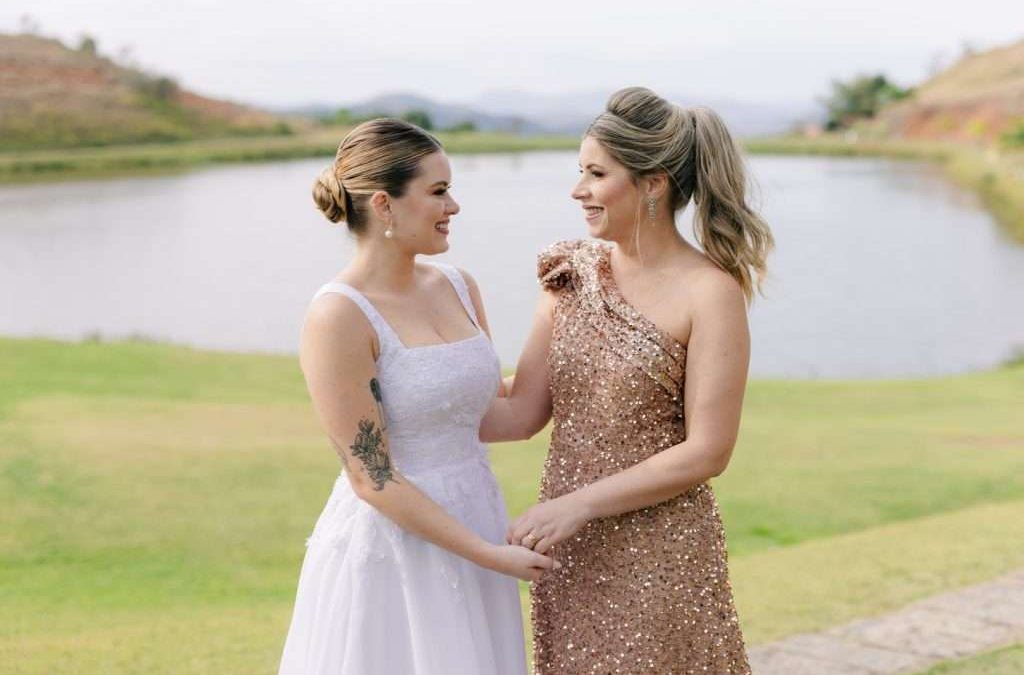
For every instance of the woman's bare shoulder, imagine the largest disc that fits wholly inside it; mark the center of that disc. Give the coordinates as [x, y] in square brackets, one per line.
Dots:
[706, 284]
[335, 318]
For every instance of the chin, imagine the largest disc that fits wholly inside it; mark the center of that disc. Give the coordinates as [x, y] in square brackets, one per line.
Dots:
[597, 230]
[433, 245]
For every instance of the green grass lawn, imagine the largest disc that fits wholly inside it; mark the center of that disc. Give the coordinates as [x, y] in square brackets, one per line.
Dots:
[1008, 661]
[154, 502]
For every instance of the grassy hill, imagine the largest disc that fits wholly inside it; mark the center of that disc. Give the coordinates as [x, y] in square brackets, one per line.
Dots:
[969, 118]
[55, 96]
[978, 99]
[76, 113]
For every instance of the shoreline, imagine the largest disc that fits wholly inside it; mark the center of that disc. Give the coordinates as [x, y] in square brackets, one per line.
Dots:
[167, 158]
[997, 177]
[141, 341]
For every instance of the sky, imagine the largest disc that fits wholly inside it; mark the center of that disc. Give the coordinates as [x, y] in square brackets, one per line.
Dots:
[282, 54]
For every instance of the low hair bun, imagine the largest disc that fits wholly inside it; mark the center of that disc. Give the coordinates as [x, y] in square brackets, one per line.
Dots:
[379, 155]
[329, 195]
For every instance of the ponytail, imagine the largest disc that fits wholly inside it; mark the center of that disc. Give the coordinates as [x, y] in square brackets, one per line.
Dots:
[647, 134]
[735, 237]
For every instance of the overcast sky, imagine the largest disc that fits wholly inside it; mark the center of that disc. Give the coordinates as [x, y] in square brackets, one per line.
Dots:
[303, 51]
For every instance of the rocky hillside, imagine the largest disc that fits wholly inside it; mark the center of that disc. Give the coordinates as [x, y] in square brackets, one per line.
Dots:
[978, 99]
[54, 96]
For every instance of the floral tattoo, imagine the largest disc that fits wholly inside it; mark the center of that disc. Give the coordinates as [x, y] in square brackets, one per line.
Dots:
[368, 448]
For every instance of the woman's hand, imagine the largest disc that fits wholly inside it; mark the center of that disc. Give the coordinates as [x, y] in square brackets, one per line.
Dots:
[519, 562]
[547, 523]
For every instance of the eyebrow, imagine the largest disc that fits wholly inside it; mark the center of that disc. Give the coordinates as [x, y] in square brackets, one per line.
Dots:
[593, 165]
[440, 182]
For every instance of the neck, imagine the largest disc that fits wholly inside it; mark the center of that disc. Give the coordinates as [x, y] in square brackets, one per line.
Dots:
[648, 244]
[382, 265]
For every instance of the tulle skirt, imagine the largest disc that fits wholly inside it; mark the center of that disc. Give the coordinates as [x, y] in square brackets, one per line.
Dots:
[375, 600]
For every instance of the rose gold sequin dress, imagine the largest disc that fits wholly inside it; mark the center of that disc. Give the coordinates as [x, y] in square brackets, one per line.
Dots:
[647, 591]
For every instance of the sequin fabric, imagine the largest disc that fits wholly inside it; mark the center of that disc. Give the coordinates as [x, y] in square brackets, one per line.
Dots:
[646, 591]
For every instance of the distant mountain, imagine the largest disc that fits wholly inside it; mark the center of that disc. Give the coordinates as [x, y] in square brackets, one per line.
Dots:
[525, 112]
[442, 115]
[54, 96]
[977, 99]
[572, 112]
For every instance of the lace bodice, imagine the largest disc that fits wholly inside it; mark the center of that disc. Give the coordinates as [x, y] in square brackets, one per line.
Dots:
[434, 396]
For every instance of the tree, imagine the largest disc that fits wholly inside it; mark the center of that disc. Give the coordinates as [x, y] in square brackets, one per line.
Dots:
[860, 98]
[342, 116]
[462, 127]
[418, 117]
[1014, 136]
[156, 88]
[87, 45]
[164, 89]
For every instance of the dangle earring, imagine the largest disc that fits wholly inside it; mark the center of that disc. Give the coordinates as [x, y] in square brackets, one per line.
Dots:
[652, 209]
[389, 233]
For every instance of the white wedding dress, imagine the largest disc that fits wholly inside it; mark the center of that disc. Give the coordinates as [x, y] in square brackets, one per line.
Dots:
[375, 600]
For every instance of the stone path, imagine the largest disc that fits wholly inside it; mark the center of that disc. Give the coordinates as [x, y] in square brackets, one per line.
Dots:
[947, 626]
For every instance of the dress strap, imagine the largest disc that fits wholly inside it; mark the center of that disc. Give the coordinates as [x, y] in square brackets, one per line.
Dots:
[386, 335]
[461, 289]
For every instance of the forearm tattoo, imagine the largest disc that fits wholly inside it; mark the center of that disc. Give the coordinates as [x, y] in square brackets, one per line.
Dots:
[368, 448]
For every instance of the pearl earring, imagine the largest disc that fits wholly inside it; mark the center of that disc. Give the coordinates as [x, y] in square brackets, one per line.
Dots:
[389, 233]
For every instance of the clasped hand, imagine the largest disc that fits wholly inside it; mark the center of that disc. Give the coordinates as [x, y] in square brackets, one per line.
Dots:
[545, 524]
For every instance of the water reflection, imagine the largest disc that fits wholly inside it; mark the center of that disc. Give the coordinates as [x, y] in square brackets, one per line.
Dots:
[883, 268]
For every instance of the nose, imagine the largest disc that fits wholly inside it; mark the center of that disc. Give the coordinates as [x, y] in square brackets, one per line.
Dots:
[453, 206]
[579, 191]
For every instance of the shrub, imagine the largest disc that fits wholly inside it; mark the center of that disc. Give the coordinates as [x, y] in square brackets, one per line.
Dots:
[1014, 137]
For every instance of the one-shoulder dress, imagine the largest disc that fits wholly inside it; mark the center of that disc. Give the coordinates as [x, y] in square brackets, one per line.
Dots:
[646, 591]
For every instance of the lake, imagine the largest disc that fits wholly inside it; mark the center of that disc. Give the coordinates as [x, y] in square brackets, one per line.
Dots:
[882, 268]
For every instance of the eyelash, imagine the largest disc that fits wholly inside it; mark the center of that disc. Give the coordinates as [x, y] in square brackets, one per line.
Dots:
[441, 191]
[595, 174]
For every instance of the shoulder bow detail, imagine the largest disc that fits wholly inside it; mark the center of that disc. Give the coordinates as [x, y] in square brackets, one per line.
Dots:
[555, 265]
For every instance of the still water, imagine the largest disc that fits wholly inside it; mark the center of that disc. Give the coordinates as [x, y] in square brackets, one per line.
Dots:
[882, 268]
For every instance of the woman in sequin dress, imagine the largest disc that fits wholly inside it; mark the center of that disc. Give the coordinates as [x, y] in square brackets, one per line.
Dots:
[639, 351]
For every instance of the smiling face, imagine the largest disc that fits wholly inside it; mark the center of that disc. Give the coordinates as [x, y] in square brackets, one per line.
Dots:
[421, 216]
[608, 193]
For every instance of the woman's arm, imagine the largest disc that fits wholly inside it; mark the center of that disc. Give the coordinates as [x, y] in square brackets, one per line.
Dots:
[526, 406]
[337, 361]
[717, 359]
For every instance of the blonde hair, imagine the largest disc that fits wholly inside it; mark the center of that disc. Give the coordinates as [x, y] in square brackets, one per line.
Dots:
[381, 154]
[648, 135]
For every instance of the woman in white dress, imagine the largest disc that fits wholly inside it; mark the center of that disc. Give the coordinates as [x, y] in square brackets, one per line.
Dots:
[407, 571]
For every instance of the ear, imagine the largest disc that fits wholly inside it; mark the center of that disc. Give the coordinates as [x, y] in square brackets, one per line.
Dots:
[380, 203]
[655, 185]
